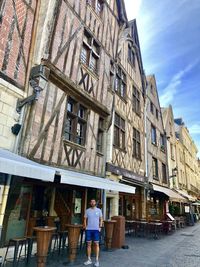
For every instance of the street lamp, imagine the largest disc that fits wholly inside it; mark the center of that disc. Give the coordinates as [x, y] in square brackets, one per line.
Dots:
[38, 80]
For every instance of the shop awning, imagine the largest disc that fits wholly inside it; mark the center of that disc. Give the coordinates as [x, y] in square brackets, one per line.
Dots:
[85, 180]
[14, 164]
[197, 203]
[170, 193]
[184, 194]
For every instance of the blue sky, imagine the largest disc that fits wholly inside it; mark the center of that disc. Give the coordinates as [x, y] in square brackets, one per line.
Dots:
[169, 33]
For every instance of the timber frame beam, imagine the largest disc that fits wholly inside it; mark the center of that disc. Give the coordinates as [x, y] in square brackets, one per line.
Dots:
[64, 83]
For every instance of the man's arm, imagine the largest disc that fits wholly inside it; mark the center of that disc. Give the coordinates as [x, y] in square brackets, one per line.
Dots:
[100, 220]
[85, 222]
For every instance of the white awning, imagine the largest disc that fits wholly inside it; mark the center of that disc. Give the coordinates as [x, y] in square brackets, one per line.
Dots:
[170, 193]
[183, 193]
[14, 164]
[85, 180]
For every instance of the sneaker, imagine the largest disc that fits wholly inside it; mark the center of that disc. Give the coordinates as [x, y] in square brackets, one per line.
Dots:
[96, 264]
[88, 262]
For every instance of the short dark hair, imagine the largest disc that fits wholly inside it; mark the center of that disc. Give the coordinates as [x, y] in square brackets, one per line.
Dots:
[93, 199]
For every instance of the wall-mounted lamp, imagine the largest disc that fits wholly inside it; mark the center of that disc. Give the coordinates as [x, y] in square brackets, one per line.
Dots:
[16, 128]
[38, 80]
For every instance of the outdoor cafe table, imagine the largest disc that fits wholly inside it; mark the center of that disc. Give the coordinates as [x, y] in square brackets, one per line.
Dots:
[156, 228]
[73, 238]
[109, 228]
[44, 234]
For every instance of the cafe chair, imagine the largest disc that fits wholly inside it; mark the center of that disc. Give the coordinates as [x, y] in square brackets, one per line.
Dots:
[19, 244]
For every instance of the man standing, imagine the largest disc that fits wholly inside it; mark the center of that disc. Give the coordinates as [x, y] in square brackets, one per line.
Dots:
[93, 220]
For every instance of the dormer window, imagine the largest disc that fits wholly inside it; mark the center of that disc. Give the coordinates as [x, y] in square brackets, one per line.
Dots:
[131, 55]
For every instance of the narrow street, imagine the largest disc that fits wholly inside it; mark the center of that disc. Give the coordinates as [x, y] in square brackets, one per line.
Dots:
[180, 249]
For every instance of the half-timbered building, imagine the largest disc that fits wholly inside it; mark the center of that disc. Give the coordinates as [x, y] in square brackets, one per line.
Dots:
[67, 71]
[125, 150]
[157, 166]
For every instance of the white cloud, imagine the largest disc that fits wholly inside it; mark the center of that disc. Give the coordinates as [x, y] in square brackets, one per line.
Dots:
[195, 128]
[132, 8]
[170, 91]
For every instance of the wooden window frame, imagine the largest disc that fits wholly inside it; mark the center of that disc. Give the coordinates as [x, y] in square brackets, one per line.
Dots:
[155, 168]
[76, 133]
[136, 144]
[154, 142]
[131, 55]
[100, 134]
[157, 114]
[92, 48]
[122, 80]
[162, 142]
[119, 132]
[164, 173]
[136, 101]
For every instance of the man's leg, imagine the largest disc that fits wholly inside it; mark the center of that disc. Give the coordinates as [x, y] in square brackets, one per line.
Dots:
[96, 245]
[89, 242]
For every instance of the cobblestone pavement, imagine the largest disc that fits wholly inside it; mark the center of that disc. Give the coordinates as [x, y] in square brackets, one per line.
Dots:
[180, 249]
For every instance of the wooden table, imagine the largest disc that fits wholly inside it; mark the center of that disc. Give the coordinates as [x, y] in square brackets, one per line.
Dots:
[109, 227]
[73, 238]
[43, 234]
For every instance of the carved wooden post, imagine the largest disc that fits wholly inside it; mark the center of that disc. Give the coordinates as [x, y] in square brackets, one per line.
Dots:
[43, 239]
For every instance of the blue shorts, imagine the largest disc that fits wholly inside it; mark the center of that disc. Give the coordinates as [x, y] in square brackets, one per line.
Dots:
[92, 235]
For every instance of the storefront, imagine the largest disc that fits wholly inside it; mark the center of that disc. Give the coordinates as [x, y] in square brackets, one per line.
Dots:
[158, 201]
[61, 196]
[130, 206]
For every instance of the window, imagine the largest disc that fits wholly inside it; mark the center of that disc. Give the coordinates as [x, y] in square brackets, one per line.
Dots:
[157, 114]
[97, 5]
[162, 142]
[119, 132]
[131, 55]
[120, 83]
[136, 101]
[90, 52]
[153, 135]
[155, 168]
[152, 108]
[112, 73]
[164, 173]
[136, 144]
[75, 126]
[151, 87]
[172, 151]
[100, 136]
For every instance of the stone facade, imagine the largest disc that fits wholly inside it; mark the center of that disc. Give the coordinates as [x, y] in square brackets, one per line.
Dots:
[188, 155]
[155, 131]
[168, 121]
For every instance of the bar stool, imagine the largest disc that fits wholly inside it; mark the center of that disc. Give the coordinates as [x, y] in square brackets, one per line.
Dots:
[17, 242]
[55, 238]
[30, 241]
[62, 240]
